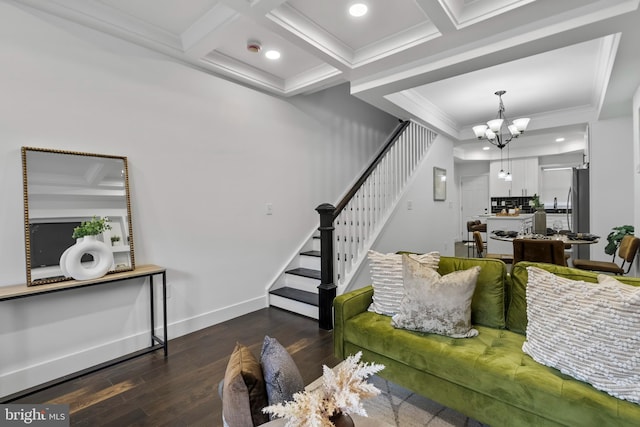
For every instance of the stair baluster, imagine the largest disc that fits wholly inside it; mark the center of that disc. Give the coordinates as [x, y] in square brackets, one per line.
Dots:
[360, 215]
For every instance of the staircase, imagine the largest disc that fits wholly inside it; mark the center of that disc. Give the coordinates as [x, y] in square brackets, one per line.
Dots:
[357, 220]
[297, 289]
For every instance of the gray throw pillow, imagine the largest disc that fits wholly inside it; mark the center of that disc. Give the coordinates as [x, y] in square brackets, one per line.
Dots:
[281, 374]
[436, 304]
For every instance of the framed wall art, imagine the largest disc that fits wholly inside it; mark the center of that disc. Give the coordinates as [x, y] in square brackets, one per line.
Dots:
[439, 184]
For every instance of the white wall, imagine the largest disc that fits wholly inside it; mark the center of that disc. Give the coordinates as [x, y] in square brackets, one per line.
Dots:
[205, 156]
[475, 168]
[555, 184]
[611, 179]
[429, 225]
[636, 165]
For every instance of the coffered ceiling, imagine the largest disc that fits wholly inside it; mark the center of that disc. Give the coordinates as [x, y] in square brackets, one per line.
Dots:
[562, 63]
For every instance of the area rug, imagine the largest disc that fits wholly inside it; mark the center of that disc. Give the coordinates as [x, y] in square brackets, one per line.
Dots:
[400, 407]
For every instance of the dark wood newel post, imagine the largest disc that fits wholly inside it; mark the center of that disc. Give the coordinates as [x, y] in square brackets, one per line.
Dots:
[327, 289]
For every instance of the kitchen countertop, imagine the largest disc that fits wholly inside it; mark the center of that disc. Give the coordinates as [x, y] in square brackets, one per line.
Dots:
[512, 217]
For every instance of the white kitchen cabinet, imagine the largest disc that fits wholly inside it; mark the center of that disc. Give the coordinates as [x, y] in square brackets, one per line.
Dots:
[498, 187]
[525, 177]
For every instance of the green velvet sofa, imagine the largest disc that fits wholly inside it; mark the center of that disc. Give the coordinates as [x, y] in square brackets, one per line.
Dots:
[487, 377]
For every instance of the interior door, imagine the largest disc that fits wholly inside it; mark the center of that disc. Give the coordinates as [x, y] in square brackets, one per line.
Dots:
[475, 199]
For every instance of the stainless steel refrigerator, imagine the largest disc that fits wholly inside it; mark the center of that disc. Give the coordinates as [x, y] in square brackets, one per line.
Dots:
[578, 202]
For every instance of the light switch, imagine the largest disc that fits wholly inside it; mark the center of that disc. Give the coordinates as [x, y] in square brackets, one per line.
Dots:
[269, 209]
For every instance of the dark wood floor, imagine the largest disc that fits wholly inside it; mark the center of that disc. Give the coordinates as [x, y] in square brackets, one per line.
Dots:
[181, 390]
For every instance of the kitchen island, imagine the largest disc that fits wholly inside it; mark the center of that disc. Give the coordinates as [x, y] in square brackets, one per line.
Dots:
[519, 223]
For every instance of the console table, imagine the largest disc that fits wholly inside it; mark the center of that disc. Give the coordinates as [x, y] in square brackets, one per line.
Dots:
[24, 291]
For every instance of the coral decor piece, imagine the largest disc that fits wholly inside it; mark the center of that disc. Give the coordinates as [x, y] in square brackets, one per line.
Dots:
[341, 392]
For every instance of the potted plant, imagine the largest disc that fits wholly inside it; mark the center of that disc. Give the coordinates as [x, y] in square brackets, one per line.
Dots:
[535, 202]
[92, 227]
[615, 237]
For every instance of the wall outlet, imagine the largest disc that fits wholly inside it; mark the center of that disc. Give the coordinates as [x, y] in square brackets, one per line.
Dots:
[409, 205]
[269, 209]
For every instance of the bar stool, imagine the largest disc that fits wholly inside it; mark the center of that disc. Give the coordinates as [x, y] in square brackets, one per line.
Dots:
[506, 258]
[472, 226]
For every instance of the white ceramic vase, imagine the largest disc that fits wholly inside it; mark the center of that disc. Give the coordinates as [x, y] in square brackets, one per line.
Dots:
[102, 259]
[63, 259]
[540, 221]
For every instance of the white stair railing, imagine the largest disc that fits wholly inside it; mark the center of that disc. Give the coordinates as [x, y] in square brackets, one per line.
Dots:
[354, 224]
[357, 225]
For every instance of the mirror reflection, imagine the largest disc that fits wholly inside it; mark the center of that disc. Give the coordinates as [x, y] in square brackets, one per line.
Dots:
[62, 189]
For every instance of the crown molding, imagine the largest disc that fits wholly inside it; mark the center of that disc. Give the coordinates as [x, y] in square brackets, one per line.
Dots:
[106, 19]
[195, 36]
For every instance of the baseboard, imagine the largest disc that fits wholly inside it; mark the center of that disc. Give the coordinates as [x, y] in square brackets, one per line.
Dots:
[201, 321]
[34, 375]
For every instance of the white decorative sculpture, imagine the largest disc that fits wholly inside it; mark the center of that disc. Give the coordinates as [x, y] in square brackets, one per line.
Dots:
[63, 259]
[70, 261]
[86, 235]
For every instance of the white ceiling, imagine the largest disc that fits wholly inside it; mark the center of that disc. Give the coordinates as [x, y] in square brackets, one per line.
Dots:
[563, 63]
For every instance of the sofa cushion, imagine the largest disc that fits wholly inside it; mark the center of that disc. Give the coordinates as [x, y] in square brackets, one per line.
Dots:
[488, 303]
[491, 364]
[244, 393]
[386, 276]
[588, 331]
[517, 311]
[434, 303]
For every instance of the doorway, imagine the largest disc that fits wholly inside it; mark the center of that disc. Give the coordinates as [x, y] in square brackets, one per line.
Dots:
[474, 201]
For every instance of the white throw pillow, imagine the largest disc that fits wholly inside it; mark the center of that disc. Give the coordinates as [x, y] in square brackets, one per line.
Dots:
[590, 331]
[437, 304]
[386, 276]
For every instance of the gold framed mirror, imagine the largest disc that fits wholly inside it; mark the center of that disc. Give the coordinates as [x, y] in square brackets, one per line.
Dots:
[63, 189]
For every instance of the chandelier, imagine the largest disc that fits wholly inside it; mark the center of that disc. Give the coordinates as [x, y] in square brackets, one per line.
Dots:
[493, 130]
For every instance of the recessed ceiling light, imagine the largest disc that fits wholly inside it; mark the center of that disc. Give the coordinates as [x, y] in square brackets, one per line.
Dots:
[559, 139]
[358, 9]
[272, 54]
[486, 147]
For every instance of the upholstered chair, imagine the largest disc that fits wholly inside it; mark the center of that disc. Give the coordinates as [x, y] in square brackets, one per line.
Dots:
[539, 250]
[627, 252]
